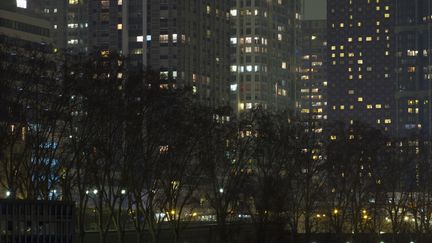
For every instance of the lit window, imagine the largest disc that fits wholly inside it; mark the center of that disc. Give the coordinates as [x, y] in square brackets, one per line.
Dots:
[72, 41]
[137, 51]
[72, 25]
[140, 38]
[163, 38]
[119, 26]
[233, 87]
[73, 1]
[21, 3]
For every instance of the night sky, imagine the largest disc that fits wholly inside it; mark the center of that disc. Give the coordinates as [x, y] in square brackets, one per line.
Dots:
[315, 9]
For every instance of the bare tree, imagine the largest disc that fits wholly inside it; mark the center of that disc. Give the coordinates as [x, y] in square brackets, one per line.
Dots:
[276, 149]
[225, 155]
[353, 154]
[33, 121]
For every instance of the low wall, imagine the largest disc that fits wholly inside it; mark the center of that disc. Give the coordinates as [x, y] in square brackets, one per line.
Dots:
[208, 233]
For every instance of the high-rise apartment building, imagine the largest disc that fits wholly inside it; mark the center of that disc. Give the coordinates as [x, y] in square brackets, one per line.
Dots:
[361, 49]
[55, 12]
[51, 10]
[263, 62]
[186, 41]
[414, 67]
[312, 86]
[23, 27]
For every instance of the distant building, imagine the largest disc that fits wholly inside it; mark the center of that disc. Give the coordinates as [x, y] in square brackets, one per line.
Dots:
[312, 86]
[24, 26]
[361, 50]
[36, 221]
[187, 42]
[414, 67]
[51, 10]
[264, 44]
[23, 37]
[55, 12]
[27, 82]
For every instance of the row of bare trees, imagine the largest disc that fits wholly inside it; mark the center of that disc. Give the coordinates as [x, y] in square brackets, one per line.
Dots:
[136, 157]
